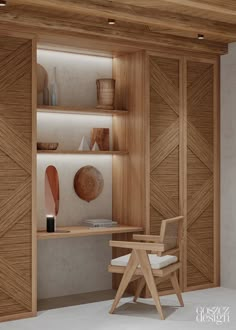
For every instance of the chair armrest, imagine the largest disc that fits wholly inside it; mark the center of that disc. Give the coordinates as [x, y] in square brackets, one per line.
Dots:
[147, 238]
[138, 245]
[180, 217]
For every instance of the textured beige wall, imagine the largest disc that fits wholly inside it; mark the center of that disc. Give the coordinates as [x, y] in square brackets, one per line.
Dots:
[228, 168]
[71, 266]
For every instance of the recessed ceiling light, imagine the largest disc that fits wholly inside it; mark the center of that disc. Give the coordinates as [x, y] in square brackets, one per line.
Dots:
[3, 3]
[111, 21]
[200, 36]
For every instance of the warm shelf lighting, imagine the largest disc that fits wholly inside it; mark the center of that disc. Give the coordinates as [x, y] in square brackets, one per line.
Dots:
[3, 3]
[111, 21]
[200, 37]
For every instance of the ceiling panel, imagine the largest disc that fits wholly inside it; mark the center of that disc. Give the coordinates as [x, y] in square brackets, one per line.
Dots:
[138, 19]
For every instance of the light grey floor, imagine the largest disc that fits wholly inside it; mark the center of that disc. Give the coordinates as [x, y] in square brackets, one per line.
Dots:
[134, 316]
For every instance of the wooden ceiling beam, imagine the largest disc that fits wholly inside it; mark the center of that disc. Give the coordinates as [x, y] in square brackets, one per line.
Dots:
[162, 20]
[71, 24]
[216, 10]
[227, 7]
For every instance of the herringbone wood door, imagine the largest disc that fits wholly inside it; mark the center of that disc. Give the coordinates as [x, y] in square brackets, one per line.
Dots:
[200, 173]
[184, 160]
[15, 177]
[164, 141]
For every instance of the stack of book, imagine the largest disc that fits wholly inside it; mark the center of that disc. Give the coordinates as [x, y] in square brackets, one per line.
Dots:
[95, 223]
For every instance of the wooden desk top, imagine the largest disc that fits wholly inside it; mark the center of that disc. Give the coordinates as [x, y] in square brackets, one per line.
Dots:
[79, 231]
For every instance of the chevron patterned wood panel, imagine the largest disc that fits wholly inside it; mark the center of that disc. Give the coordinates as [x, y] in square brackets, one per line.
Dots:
[200, 173]
[184, 160]
[15, 177]
[164, 142]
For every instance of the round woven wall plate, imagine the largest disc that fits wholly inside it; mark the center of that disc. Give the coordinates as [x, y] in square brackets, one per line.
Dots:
[88, 183]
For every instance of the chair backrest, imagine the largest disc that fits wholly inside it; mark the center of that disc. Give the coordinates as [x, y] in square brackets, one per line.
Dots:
[171, 232]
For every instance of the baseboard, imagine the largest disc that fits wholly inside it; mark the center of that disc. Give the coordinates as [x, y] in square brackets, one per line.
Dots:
[17, 316]
[76, 299]
[200, 287]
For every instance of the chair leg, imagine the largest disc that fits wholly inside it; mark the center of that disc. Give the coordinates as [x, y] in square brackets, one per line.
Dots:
[176, 287]
[147, 273]
[139, 288]
[129, 271]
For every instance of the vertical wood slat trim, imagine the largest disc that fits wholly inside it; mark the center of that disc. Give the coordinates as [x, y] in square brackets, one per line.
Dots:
[216, 174]
[183, 167]
[34, 177]
[147, 144]
[147, 109]
[119, 163]
[120, 142]
[129, 181]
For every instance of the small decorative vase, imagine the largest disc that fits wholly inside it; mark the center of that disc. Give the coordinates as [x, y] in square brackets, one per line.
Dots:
[54, 89]
[105, 93]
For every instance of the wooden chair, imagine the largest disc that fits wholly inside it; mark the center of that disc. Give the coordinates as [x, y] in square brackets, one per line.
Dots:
[150, 268]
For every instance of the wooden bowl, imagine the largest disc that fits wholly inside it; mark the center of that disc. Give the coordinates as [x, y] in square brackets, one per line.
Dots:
[47, 145]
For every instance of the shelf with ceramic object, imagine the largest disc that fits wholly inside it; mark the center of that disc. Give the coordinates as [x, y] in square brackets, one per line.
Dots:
[80, 110]
[79, 231]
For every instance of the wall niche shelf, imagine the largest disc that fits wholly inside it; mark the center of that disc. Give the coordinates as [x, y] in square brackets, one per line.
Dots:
[77, 152]
[79, 231]
[80, 110]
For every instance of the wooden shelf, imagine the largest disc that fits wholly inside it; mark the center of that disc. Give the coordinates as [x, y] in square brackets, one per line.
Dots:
[79, 231]
[80, 110]
[76, 152]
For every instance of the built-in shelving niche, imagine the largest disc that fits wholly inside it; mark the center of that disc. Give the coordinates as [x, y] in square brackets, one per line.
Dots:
[66, 123]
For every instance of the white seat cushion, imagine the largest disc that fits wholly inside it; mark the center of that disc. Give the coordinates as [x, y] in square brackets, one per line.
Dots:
[155, 261]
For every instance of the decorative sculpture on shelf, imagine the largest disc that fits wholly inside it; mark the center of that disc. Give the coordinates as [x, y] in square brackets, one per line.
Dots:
[42, 85]
[101, 137]
[95, 147]
[51, 191]
[84, 145]
[88, 183]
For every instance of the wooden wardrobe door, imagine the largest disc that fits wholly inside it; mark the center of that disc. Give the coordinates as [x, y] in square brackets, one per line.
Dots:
[164, 141]
[202, 174]
[16, 239]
